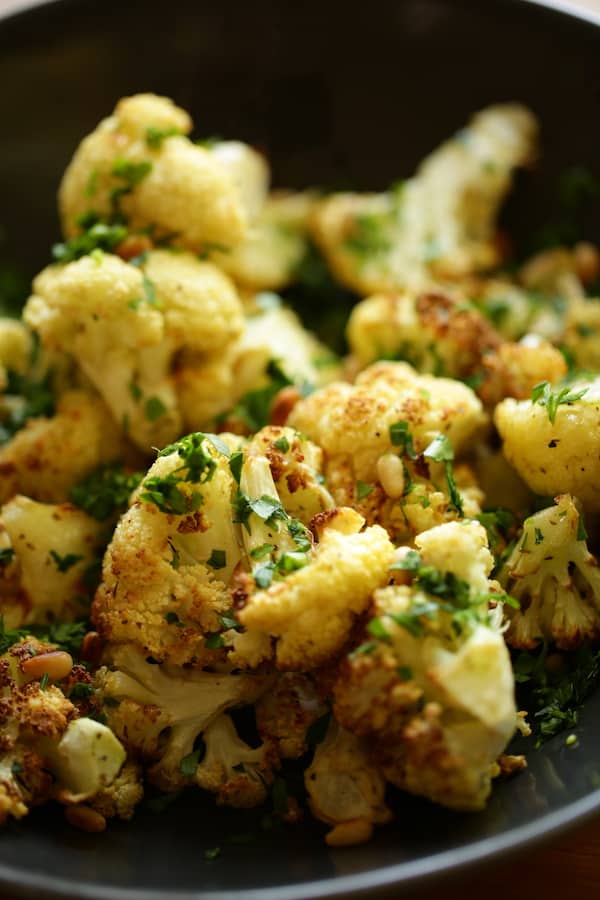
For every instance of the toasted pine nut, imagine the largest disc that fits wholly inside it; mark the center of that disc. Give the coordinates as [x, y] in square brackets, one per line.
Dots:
[85, 818]
[390, 472]
[133, 246]
[91, 648]
[283, 404]
[587, 261]
[56, 665]
[357, 831]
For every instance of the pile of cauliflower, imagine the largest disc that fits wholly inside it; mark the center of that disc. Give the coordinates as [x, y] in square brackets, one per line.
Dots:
[224, 550]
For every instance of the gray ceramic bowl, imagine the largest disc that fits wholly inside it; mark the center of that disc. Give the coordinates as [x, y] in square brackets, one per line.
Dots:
[336, 95]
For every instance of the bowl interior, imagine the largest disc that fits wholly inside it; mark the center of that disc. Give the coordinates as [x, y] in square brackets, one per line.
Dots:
[337, 97]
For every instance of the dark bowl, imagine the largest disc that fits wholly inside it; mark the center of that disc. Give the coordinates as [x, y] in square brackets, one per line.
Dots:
[336, 96]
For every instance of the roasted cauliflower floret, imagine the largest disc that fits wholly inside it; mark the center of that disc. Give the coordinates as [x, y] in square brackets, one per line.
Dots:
[297, 468]
[439, 224]
[124, 324]
[555, 579]
[46, 750]
[441, 333]
[389, 440]
[241, 387]
[48, 551]
[51, 454]
[286, 712]
[239, 775]
[139, 165]
[167, 568]
[345, 789]
[340, 572]
[174, 705]
[15, 349]
[268, 257]
[120, 798]
[553, 439]
[431, 687]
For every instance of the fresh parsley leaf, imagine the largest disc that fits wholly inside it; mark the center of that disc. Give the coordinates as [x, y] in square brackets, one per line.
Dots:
[282, 444]
[217, 559]
[188, 764]
[156, 136]
[400, 436]
[98, 236]
[105, 492]
[81, 691]
[64, 563]
[440, 450]
[236, 461]
[363, 490]
[545, 395]
[166, 494]
[154, 409]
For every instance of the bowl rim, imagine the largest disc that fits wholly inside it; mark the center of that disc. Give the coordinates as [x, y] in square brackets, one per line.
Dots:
[402, 876]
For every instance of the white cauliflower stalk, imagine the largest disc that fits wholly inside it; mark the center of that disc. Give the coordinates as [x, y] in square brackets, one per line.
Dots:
[182, 701]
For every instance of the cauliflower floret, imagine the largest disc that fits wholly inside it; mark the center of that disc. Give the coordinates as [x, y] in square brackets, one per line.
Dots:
[345, 789]
[15, 349]
[51, 454]
[274, 247]
[183, 701]
[274, 352]
[239, 775]
[49, 550]
[47, 751]
[340, 573]
[124, 325]
[553, 440]
[431, 687]
[138, 163]
[516, 311]
[443, 334]
[285, 713]
[297, 469]
[440, 223]
[120, 798]
[582, 333]
[380, 437]
[555, 579]
[167, 568]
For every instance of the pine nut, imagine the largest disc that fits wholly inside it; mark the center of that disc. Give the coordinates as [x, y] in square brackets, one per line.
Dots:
[390, 473]
[85, 818]
[346, 834]
[56, 665]
[587, 261]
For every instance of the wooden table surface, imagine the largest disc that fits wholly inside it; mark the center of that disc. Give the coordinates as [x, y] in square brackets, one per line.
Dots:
[566, 868]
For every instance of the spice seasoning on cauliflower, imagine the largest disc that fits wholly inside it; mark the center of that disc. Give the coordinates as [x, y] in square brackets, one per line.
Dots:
[292, 604]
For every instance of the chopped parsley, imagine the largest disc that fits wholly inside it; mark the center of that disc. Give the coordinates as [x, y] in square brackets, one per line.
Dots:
[440, 450]
[262, 551]
[363, 489]
[545, 395]
[7, 554]
[254, 408]
[81, 691]
[36, 398]
[64, 563]
[198, 466]
[188, 764]
[498, 523]
[217, 559]
[154, 409]
[368, 237]
[156, 136]
[97, 235]
[105, 492]
[555, 695]
[282, 444]
[582, 534]
[236, 461]
[165, 493]
[401, 437]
